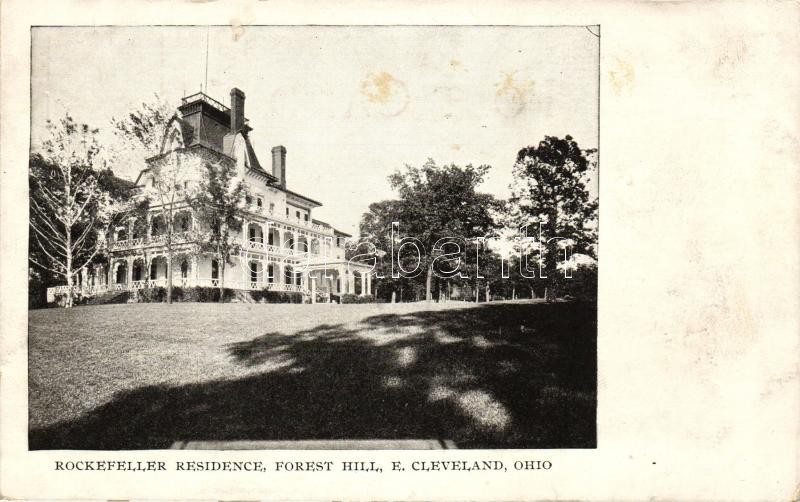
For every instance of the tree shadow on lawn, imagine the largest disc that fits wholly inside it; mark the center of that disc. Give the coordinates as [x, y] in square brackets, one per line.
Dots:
[495, 376]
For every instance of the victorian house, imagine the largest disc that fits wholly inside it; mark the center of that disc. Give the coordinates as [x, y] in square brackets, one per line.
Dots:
[282, 247]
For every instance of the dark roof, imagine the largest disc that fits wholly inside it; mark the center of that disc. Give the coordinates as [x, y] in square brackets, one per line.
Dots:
[255, 165]
[298, 195]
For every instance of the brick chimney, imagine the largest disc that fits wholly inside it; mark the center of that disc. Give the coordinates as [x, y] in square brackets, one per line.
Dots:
[237, 110]
[279, 164]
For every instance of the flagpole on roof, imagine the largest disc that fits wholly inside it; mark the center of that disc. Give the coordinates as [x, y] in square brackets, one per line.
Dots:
[208, 31]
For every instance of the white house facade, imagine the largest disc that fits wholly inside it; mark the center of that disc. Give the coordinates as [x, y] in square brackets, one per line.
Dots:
[282, 246]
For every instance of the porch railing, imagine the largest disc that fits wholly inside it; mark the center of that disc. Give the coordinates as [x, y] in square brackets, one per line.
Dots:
[183, 282]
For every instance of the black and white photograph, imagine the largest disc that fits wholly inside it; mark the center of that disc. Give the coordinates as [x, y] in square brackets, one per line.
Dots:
[261, 250]
[344, 237]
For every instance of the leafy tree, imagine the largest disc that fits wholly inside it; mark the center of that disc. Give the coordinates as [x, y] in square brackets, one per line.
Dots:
[435, 202]
[550, 188]
[69, 205]
[218, 205]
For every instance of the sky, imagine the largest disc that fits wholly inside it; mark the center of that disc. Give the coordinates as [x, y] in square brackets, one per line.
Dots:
[350, 104]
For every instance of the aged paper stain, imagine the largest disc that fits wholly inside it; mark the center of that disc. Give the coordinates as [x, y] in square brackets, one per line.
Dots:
[382, 88]
[621, 76]
[237, 29]
[511, 97]
[732, 54]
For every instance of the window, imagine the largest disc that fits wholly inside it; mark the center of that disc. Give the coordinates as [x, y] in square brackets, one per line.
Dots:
[184, 269]
[270, 273]
[287, 211]
[259, 202]
[297, 214]
[248, 199]
[305, 216]
[185, 184]
[215, 269]
[271, 207]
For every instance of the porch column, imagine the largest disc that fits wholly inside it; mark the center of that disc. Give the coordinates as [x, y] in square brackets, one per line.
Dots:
[195, 268]
[129, 271]
[363, 284]
[313, 290]
[278, 272]
[295, 238]
[369, 284]
[262, 279]
[243, 263]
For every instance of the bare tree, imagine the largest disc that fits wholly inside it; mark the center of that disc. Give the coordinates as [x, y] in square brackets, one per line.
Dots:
[69, 209]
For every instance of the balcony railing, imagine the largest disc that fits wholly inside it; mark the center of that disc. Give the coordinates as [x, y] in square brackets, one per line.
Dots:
[277, 216]
[155, 240]
[201, 96]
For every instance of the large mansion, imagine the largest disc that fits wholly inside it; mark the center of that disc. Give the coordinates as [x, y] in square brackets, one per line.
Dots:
[283, 247]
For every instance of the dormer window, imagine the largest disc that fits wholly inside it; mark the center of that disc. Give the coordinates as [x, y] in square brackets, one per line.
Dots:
[260, 202]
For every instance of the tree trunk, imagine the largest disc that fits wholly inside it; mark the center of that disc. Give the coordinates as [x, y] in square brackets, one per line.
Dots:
[477, 292]
[221, 281]
[488, 293]
[68, 301]
[169, 274]
[533, 293]
[513, 292]
[68, 251]
[428, 281]
[546, 294]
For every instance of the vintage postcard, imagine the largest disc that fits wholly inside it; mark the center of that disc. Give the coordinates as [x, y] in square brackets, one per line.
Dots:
[252, 252]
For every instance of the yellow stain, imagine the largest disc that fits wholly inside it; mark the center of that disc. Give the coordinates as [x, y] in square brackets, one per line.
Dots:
[378, 87]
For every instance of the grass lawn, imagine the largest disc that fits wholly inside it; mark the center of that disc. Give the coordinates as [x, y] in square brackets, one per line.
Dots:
[498, 375]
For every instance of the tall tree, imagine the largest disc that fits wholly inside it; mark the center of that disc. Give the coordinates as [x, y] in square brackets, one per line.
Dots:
[172, 178]
[218, 204]
[443, 202]
[139, 134]
[549, 188]
[69, 208]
